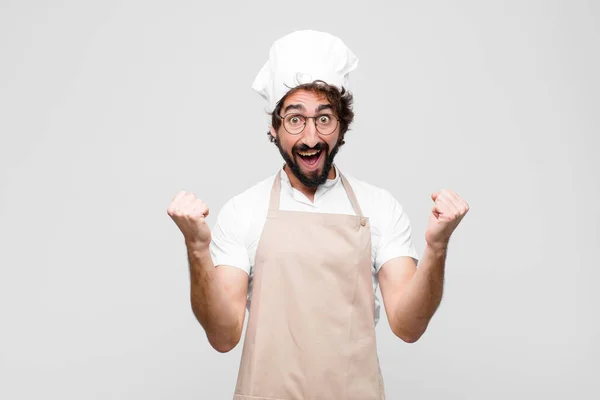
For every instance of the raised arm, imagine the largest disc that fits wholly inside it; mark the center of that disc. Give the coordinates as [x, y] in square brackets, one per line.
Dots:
[217, 295]
[411, 296]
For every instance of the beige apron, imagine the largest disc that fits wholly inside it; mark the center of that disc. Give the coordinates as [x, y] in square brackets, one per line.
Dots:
[311, 333]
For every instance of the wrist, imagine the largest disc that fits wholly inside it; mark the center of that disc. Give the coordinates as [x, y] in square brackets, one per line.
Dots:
[197, 249]
[439, 248]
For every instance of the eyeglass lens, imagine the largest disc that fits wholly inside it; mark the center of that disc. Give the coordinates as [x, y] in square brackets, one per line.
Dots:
[295, 123]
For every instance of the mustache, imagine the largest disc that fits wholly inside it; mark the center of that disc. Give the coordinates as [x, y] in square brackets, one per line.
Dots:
[317, 147]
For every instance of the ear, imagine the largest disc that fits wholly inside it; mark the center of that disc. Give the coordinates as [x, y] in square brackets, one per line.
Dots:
[273, 132]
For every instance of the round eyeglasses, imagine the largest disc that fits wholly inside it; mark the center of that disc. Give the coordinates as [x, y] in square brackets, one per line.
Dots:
[294, 124]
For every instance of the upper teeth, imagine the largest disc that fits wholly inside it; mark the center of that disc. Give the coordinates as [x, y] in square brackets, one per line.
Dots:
[308, 153]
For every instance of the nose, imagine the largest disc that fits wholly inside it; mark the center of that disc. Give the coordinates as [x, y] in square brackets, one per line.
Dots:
[310, 135]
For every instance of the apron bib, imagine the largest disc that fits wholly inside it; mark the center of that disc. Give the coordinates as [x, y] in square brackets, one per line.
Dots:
[310, 333]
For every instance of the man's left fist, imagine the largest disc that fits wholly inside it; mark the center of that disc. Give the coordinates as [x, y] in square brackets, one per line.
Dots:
[447, 212]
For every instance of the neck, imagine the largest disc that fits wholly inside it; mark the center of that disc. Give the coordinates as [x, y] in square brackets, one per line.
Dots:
[307, 191]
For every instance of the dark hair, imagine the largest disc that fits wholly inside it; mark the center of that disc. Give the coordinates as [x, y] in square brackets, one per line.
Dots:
[341, 101]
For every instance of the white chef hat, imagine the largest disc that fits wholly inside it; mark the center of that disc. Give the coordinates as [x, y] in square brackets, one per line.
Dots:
[302, 57]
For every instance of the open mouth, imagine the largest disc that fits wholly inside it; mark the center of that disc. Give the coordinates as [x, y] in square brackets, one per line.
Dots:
[311, 157]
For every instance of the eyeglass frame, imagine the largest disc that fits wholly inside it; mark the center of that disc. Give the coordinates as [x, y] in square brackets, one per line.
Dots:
[306, 118]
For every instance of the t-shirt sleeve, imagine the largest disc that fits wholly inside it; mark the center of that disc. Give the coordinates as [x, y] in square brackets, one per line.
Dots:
[396, 236]
[227, 246]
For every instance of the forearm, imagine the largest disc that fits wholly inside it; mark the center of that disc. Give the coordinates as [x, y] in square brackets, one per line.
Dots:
[422, 296]
[209, 300]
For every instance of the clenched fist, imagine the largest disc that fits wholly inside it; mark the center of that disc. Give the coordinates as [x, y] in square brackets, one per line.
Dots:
[189, 213]
[447, 212]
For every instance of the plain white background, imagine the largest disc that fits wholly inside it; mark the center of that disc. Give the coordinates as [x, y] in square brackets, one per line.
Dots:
[107, 109]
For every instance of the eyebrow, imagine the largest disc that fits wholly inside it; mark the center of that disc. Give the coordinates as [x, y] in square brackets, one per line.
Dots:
[293, 107]
[301, 107]
[324, 107]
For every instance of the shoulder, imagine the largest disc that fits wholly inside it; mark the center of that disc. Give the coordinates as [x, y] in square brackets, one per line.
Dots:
[241, 207]
[371, 196]
[385, 212]
[251, 196]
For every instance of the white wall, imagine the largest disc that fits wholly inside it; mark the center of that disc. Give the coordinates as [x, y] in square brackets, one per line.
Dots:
[107, 109]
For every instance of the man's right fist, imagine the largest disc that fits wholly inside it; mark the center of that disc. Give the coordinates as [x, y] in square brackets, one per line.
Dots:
[189, 213]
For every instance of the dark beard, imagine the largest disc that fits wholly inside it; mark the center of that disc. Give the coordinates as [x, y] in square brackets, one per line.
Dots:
[312, 181]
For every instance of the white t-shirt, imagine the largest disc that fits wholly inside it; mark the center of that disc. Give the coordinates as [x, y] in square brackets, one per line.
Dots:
[240, 222]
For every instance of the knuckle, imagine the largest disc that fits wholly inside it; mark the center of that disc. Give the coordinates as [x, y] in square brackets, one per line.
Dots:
[174, 204]
[198, 211]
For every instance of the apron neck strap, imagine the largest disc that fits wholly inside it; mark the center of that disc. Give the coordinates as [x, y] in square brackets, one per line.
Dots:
[276, 191]
[351, 195]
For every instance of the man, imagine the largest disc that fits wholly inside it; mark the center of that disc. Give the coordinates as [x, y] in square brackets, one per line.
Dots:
[305, 249]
